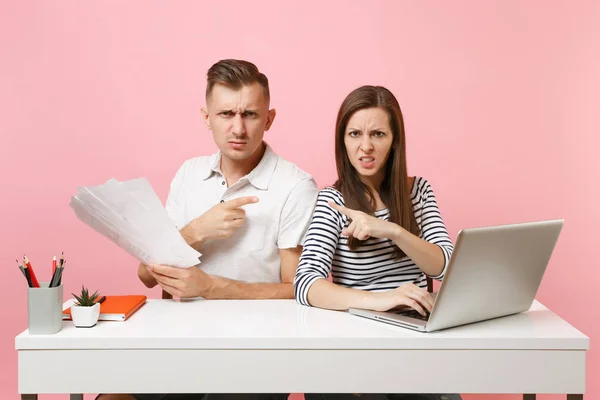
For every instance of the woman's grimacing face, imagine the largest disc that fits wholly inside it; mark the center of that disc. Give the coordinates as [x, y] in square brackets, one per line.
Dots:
[368, 139]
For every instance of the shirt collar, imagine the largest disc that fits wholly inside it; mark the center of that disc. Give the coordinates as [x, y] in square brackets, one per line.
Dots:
[214, 166]
[260, 177]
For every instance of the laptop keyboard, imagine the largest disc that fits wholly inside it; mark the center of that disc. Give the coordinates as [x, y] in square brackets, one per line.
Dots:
[413, 314]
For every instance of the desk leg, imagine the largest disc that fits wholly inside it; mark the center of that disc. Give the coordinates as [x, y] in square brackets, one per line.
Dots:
[569, 397]
[35, 397]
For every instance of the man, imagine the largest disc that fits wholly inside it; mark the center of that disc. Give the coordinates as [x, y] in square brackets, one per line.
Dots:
[245, 208]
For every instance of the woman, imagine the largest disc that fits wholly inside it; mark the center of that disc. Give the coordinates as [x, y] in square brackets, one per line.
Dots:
[378, 232]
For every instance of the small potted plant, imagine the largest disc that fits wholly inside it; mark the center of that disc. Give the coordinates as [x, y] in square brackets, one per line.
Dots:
[86, 311]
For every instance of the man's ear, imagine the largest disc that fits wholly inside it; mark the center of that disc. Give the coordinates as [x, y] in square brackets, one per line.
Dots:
[270, 118]
[205, 117]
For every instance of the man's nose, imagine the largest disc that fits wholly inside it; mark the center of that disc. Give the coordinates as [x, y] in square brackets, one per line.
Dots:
[239, 127]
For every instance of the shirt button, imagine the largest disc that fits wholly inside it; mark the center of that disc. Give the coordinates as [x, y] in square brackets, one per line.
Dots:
[222, 183]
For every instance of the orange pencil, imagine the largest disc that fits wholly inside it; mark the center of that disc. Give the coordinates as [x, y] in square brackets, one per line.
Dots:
[34, 280]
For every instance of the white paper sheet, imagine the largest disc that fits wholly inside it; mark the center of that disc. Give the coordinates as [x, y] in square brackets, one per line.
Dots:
[131, 215]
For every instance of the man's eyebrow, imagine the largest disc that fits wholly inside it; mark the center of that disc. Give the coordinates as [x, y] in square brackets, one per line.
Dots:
[227, 110]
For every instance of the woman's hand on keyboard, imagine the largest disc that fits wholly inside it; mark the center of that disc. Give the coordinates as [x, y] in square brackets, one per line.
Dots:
[408, 295]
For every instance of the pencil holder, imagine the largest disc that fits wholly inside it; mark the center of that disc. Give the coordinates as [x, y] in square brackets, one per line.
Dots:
[44, 306]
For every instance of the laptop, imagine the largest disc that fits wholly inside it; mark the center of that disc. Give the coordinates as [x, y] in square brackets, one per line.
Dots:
[493, 272]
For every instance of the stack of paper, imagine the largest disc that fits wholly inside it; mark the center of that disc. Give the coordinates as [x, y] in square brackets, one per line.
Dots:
[132, 216]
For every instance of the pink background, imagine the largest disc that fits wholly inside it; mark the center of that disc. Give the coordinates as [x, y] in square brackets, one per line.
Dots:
[501, 101]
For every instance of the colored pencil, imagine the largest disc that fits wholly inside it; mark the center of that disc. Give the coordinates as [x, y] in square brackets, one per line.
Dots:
[28, 266]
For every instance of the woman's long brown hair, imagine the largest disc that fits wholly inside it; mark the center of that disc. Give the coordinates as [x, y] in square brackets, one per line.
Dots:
[395, 188]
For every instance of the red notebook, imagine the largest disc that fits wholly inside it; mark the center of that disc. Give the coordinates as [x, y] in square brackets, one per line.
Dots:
[116, 308]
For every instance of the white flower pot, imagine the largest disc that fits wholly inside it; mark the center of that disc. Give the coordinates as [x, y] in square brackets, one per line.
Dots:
[85, 317]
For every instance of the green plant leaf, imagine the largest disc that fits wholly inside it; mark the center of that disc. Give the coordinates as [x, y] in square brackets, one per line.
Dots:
[84, 299]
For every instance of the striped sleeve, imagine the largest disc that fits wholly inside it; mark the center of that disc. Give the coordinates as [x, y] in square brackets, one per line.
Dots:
[320, 244]
[433, 228]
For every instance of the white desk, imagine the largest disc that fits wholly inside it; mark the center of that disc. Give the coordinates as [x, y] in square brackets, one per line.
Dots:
[278, 346]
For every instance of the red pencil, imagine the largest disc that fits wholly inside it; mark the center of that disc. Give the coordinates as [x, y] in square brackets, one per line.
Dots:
[53, 264]
[34, 280]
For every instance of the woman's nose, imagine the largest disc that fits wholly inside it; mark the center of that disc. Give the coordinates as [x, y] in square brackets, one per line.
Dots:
[366, 144]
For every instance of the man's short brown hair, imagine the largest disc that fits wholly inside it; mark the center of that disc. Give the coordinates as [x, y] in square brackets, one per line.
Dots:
[235, 74]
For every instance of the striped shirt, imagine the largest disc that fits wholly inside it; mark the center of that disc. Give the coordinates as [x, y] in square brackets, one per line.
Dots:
[372, 266]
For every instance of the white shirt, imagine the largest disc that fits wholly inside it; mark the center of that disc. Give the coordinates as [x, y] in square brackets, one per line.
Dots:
[287, 196]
